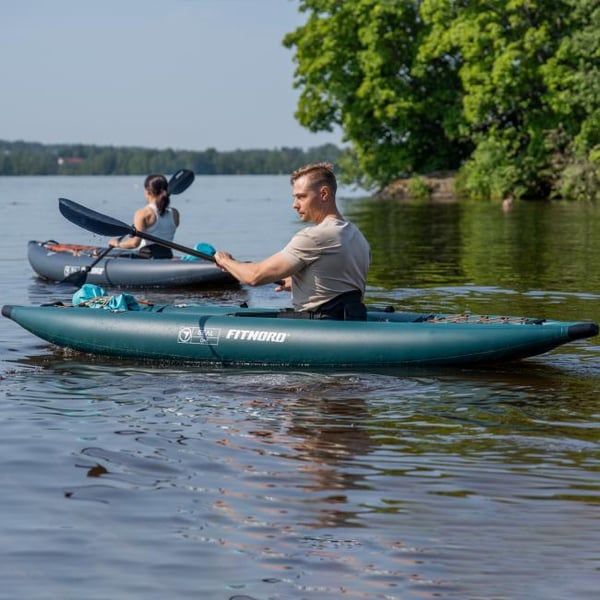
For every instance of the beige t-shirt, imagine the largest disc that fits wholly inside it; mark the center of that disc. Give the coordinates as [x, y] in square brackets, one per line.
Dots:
[329, 259]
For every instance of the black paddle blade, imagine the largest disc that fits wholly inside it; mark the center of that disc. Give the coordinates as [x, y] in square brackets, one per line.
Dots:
[91, 220]
[180, 181]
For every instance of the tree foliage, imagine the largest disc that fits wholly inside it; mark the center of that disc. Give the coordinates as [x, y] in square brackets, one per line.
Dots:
[507, 91]
[355, 67]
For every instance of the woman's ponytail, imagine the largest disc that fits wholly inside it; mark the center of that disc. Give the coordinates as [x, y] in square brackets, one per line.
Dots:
[158, 188]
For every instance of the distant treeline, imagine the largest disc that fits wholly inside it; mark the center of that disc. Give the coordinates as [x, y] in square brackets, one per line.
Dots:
[30, 158]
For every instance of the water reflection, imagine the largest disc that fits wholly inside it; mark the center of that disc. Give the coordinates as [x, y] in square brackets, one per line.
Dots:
[326, 436]
[409, 246]
[433, 243]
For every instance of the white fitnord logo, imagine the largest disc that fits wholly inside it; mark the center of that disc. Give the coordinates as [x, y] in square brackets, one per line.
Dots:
[195, 335]
[256, 335]
[69, 270]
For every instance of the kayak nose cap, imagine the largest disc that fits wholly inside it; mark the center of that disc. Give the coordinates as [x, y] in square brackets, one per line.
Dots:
[576, 332]
[6, 311]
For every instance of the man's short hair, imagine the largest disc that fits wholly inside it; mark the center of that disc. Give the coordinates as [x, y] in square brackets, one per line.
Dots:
[320, 173]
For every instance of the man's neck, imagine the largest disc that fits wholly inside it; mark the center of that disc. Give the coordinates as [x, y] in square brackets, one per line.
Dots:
[329, 216]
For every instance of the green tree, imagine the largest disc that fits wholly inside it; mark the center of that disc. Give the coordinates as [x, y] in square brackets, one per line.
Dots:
[573, 79]
[509, 56]
[356, 69]
[505, 90]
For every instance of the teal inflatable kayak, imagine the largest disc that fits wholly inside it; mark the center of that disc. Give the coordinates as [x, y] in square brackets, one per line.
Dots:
[228, 335]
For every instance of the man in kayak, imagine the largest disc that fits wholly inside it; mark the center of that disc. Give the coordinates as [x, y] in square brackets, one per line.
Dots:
[156, 218]
[324, 266]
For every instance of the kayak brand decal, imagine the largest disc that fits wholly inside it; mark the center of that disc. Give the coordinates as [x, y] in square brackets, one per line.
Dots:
[70, 270]
[194, 335]
[257, 335]
[210, 336]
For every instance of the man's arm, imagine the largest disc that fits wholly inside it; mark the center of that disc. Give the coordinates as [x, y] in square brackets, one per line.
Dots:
[269, 270]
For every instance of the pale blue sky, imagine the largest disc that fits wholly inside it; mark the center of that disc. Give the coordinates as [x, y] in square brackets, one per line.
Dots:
[183, 74]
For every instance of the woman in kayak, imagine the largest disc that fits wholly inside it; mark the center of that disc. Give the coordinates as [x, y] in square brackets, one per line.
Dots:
[324, 266]
[157, 218]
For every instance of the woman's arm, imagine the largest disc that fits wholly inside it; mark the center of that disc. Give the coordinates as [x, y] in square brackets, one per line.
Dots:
[141, 221]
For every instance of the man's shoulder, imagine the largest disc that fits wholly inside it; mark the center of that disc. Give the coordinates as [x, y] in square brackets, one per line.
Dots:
[302, 236]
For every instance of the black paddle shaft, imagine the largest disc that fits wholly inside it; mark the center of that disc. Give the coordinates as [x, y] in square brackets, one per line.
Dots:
[104, 225]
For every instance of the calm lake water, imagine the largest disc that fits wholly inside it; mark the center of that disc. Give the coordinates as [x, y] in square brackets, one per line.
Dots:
[132, 480]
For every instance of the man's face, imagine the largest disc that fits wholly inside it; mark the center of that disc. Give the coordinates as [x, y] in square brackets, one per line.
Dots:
[308, 199]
